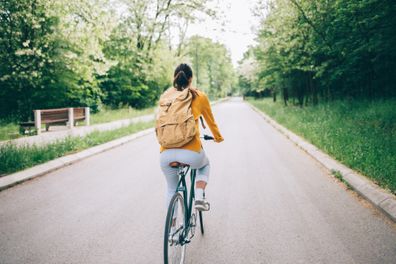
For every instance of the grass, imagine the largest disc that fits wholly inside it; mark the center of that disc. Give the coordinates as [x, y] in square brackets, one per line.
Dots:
[108, 115]
[13, 158]
[339, 176]
[10, 130]
[360, 134]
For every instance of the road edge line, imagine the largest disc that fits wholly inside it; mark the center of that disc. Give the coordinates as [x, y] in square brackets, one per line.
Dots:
[376, 195]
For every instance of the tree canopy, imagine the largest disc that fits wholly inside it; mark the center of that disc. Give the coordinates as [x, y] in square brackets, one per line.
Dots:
[314, 50]
[213, 68]
[101, 52]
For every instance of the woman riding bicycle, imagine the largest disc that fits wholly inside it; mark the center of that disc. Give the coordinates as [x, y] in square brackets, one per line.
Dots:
[191, 153]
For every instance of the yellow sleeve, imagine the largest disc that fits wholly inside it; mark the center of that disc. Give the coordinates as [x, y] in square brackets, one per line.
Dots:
[208, 115]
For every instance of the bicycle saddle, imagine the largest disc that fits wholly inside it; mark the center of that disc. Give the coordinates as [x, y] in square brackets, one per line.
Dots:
[176, 164]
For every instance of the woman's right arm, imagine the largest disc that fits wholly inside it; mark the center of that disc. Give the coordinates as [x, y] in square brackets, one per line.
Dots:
[209, 118]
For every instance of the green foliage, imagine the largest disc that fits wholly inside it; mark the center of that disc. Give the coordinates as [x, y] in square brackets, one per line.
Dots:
[212, 66]
[361, 134]
[144, 62]
[249, 83]
[340, 177]
[326, 50]
[25, 44]
[8, 130]
[13, 158]
[50, 54]
[86, 53]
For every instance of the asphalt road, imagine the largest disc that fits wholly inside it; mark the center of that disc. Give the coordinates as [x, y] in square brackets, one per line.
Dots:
[270, 203]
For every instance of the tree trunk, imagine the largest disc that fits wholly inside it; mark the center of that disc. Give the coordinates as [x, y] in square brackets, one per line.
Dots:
[313, 89]
[285, 95]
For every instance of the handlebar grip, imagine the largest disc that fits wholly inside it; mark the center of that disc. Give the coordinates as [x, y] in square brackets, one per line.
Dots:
[207, 137]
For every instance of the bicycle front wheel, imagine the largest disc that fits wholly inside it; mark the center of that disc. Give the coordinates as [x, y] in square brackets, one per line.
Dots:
[174, 247]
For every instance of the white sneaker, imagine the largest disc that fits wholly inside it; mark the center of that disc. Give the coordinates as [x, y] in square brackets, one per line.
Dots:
[202, 205]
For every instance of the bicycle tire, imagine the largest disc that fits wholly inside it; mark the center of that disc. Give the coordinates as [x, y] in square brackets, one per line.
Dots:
[174, 254]
[201, 222]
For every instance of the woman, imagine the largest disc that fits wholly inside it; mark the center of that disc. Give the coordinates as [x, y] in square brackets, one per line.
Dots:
[192, 153]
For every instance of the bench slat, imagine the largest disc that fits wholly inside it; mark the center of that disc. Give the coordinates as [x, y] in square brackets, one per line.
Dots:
[54, 121]
[54, 110]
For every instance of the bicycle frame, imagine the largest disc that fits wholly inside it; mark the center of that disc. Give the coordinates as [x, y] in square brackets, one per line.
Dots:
[182, 187]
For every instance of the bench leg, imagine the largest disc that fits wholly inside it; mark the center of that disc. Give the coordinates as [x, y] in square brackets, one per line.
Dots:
[47, 127]
[71, 118]
[37, 121]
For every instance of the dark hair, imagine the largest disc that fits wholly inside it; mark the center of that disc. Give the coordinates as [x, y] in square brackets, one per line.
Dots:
[182, 76]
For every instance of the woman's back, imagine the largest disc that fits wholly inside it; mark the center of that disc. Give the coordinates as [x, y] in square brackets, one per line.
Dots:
[200, 106]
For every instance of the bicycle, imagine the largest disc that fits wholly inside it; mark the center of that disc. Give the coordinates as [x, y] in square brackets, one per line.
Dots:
[181, 218]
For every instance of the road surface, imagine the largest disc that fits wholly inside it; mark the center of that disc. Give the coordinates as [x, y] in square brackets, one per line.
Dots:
[270, 203]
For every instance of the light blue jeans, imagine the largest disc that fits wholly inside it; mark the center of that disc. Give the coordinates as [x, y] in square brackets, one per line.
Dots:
[196, 160]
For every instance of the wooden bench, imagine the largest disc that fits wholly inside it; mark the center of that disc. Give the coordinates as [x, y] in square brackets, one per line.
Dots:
[51, 117]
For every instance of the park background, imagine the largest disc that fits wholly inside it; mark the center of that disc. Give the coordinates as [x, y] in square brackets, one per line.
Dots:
[324, 69]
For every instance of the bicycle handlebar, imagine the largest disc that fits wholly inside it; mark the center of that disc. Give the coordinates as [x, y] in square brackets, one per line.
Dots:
[207, 137]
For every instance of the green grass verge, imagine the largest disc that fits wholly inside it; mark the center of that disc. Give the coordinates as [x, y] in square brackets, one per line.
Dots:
[9, 131]
[108, 115]
[360, 134]
[13, 158]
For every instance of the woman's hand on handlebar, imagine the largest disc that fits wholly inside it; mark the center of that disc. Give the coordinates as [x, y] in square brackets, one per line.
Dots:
[207, 137]
[219, 140]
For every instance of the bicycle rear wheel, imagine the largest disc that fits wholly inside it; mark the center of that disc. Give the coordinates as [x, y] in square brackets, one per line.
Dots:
[201, 222]
[174, 248]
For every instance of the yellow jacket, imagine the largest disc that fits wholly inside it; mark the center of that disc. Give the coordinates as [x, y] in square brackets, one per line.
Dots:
[201, 106]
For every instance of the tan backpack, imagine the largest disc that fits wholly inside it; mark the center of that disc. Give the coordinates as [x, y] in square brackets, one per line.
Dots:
[175, 124]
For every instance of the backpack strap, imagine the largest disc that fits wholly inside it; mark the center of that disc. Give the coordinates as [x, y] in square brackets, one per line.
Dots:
[193, 92]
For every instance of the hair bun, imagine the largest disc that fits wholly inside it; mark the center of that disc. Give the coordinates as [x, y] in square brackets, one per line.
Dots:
[182, 76]
[181, 81]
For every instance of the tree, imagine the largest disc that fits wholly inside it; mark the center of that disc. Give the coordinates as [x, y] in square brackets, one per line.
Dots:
[88, 52]
[327, 49]
[213, 69]
[138, 45]
[50, 54]
[25, 47]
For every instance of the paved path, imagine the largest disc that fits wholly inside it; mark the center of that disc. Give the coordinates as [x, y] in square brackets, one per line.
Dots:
[60, 132]
[271, 203]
